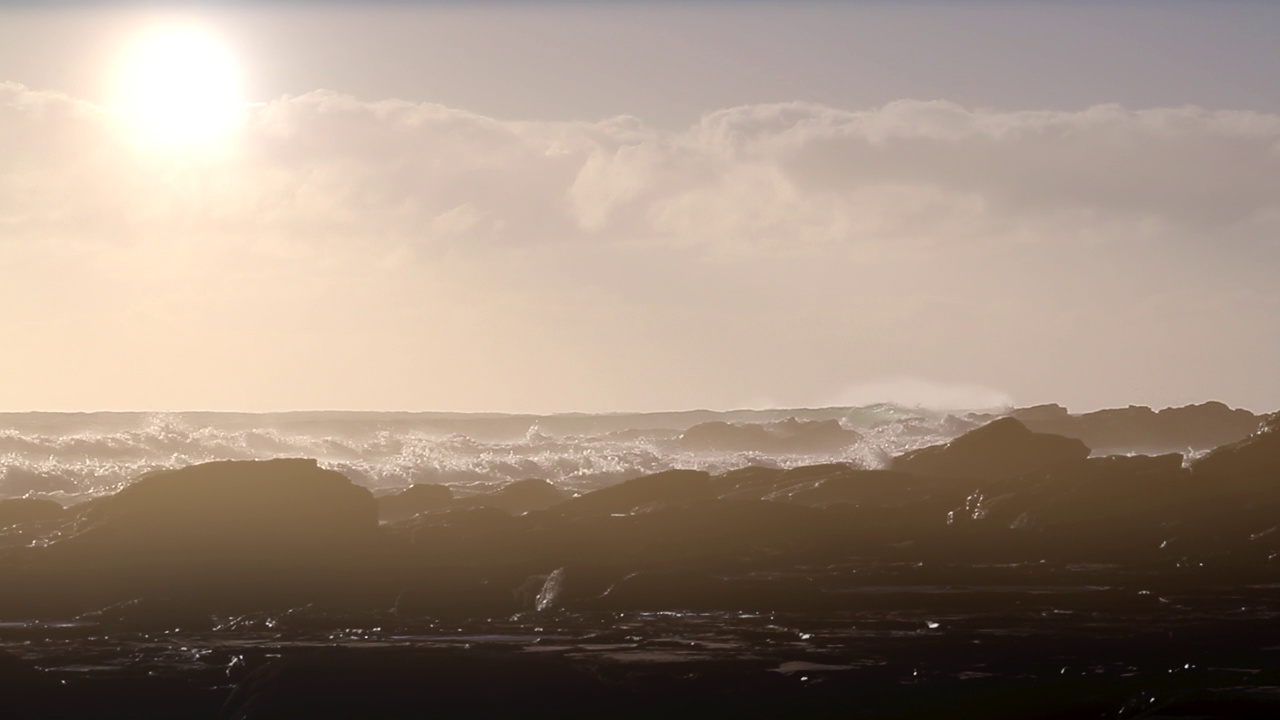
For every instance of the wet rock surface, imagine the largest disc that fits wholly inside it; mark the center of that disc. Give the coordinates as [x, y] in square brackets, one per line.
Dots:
[1054, 656]
[1004, 574]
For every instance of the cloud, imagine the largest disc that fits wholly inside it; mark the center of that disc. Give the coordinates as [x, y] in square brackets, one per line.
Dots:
[351, 253]
[763, 178]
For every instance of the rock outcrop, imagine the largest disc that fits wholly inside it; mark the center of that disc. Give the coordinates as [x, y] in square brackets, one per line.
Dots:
[787, 436]
[1103, 505]
[518, 497]
[1256, 457]
[1138, 428]
[254, 506]
[513, 498]
[415, 499]
[857, 487]
[664, 488]
[23, 511]
[819, 485]
[1001, 449]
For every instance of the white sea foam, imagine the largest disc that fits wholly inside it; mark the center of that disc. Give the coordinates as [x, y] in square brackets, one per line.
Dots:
[70, 457]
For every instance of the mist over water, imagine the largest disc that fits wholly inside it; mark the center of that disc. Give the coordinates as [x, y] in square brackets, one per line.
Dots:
[70, 457]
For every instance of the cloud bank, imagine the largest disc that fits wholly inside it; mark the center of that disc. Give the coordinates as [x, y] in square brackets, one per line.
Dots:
[416, 255]
[778, 175]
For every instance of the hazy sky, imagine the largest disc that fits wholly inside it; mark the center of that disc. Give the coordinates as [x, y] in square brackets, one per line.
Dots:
[635, 206]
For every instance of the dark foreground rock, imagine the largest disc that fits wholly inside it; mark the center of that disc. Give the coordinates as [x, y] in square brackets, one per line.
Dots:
[246, 506]
[218, 533]
[934, 660]
[28, 692]
[450, 683]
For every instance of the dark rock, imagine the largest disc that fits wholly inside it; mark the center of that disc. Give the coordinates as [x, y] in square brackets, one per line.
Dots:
[790, 436]
[404, 683]
[667, 590]
[463, 522]
[1140, 429]
[414, 500]
[518, 497]
[1000, 449]
[458, 594]
[857, 487]
[664, 488]
[816, 485]
[748, 483]
[698, 591]
[29, 694]
[1086, 503]
[1256, 457]
[237, 534]
[256, 505]
[718, 435]
[22, 511]
[466, 536]
[1038, 416]
[151, 614]
[735, 530]
[815, 436]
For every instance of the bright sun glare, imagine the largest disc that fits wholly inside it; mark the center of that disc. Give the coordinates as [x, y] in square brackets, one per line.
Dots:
[181, 87]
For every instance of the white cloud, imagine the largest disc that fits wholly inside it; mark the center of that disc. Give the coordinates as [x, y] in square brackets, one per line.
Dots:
[608, 180]
[769, 251]
[767, 177]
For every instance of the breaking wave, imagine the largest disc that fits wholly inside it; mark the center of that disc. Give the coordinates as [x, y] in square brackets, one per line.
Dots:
[73, 456]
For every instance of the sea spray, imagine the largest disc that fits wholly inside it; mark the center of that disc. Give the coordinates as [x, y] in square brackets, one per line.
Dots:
[74, 456]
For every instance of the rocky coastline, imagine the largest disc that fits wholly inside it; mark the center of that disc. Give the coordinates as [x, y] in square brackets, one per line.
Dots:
[1017, 570]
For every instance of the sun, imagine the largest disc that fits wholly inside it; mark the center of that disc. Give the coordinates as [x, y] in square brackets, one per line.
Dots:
[180, 87]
